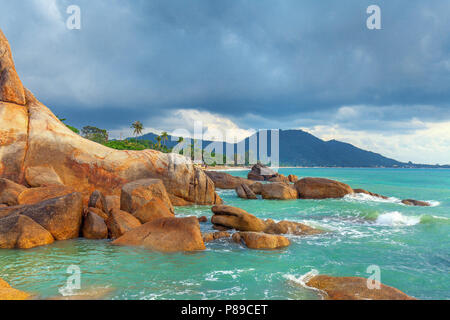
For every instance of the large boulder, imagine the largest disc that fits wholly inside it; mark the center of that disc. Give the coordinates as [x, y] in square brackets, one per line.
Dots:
[412, 202]
[236, 218]
[152, 210]
[320, 188]
[244, 192]
[138, 193]
[279, 178]
[223, 180]
[9, 293]
[119, 222]
[10, 191]
[166, 235]
[354, 288]
[42, 176]
[290, 227]
[259, 240]
[261, 172]
[36, 195]
[32, 136]
[278, 191]
[94, 227]
[112, 202]
[21, 232]
[98, 200]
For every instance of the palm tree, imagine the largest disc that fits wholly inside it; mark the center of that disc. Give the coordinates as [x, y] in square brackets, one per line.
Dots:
[138, 127]
[158, 138]
[164, 137]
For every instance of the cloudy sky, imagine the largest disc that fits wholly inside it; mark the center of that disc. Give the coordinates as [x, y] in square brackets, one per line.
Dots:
[243, 65]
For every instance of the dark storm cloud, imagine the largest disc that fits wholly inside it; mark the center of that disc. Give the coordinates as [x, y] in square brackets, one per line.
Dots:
[284, 63]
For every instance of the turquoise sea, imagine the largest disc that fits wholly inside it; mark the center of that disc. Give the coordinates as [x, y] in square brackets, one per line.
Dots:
[411, 245]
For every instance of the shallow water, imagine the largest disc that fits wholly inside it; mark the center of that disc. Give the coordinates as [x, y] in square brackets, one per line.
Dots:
[411, 245]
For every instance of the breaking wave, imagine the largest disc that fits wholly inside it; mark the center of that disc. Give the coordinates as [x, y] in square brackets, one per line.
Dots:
[397, 219]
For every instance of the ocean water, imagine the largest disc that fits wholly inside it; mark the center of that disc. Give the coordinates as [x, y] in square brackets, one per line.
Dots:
[411, 246]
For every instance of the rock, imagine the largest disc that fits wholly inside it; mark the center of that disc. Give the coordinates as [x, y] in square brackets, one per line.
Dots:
[244, 192]
[279, 178]
[202, 219]
[94, 227]
[9, 293]
[259, 240]
[10, 191]
[112, 202]
[98, 200]
[60, 216]
[3, 205]
[223, 180]
[32, 136]
[208, 237]
[369, 193]
[41, 176]
[354, 288]
[36, 195]
[138, 193]
[411, 202]
[220, 228]
[166, 235]
[256, 187]
[96, 211]
[236, 218]
[261, 172]
[119, 222]
[320, 188]
[290, 227]
[152, 210]
[278, 191]
[21, 232]
[292, 178]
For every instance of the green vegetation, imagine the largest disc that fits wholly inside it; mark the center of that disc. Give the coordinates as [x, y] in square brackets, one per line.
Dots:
[95, 134]
[138, 127]
[69, 126]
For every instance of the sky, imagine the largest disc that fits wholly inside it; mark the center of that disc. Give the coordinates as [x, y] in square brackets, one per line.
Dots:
[244, 65]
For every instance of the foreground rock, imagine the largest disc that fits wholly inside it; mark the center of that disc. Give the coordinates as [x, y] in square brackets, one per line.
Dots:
[278, 191]
[290, 227]
[21, 232]
[354, 288]
[98, 200]
[369, 193]
[259, 240]
[60, 216]
[236, 218]
[224, 180]
[292, 178]
[9, 293]
[166, 235]
[112, 202]
[120, 222]
[244, 192]
[411, 202]
[41, 176]
[320, 188]
[94, 227]
[36, 195]
[9, 192]
[208, 237]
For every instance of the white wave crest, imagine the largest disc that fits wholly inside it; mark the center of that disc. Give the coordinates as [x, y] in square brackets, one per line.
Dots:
[396, 219]
[304, 279]
[363, 197]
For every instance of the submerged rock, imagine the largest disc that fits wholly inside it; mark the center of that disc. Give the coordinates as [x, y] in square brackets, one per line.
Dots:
[119, 222]
[278, 191]
[354, 288]
[236, 218]
[320, 188]
[202, 219]
[9, 293]
[244, 192]
[259, 240]
[208, 237]
[411, 202]
[290, 227]
[165, 235]
[10, 191]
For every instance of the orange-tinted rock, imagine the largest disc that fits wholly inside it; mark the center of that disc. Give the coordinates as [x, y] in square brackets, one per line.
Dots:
[278, 191]
[94, 227]
[411, 202]
[154, 209]
[10, 191]
[42, 176]
[223, 180]
[202, 219]
[292, 178]
[244, 192]
[369, 193]
[259, 240]
[138, 193]
[119, 222]
[208, 237]
[98, 200]
[112, 202]
[279, 178]
[236, 218]
[320, 188]
[21, 232]
[290, 227]
[354, 288]
[9, 293]
[36, 195]
[97, 211]
[166, 235]
[256, 187]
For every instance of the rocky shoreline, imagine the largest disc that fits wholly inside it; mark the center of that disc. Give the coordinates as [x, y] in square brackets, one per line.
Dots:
[56, 185]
